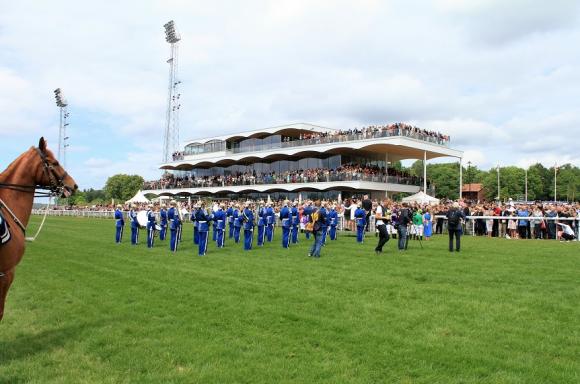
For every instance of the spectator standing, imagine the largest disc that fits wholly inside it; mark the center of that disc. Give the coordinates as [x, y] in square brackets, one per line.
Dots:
[454, 218]
[381, 224]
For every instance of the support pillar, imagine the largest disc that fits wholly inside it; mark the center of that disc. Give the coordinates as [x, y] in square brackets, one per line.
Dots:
[425, 172]
[460, 178]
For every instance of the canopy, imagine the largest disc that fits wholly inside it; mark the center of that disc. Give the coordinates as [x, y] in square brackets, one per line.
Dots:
[138, 198]
[421, 198]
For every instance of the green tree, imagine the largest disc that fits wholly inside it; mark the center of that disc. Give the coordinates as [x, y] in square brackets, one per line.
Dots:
[122, 187]
[445, 179]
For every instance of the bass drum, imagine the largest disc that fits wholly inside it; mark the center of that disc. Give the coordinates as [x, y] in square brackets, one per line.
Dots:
[142, 218]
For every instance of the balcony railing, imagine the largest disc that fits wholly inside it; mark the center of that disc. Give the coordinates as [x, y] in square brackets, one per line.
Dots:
[268, 180]
[434, 138]
[330, 139]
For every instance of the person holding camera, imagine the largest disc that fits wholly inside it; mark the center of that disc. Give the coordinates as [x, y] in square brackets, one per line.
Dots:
[381, 218]
[403, 219]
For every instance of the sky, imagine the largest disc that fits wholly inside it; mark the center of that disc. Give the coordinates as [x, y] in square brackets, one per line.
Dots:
[502, 78]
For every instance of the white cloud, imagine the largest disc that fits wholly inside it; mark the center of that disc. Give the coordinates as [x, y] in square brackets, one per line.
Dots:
[497, 76]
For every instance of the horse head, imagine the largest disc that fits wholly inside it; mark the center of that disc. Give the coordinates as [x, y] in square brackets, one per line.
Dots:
[51, 174]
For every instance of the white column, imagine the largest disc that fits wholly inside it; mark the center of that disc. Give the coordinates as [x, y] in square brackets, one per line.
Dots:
[387, 173]
[460, 177]
[425, 171]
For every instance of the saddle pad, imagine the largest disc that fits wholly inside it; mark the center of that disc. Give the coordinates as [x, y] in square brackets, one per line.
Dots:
[4, 231]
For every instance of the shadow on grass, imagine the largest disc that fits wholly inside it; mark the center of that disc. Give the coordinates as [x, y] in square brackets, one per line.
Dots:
[27, 345]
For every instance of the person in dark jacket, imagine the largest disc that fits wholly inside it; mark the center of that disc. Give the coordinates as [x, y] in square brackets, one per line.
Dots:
[455, 216]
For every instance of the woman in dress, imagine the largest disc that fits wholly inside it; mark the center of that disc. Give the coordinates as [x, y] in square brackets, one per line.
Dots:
[427, 224]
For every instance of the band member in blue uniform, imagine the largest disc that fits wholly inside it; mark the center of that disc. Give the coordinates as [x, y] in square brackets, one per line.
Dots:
[203, 218]
[119, 224]
[214, 224]
[248, 219]
[151, 222]
[286, 224]
[193, 218]
[173, 217]
[162, 222]
[219, 218]
[261, 224]
[132, 216]
[324, 223]
[360, 216]
[237, 223]
[332, 222]
[230, 218]
[295, 222]
[307, 211]
[270, 217]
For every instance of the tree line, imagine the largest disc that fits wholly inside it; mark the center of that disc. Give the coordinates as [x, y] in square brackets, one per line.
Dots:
[445, 179]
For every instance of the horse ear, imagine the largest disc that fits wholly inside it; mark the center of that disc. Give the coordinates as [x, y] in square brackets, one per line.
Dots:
[42, 144]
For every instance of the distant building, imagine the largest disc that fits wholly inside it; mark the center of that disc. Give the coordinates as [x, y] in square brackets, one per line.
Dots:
[474, 192]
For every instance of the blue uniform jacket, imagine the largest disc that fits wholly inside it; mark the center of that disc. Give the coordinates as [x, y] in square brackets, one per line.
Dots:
[248, 218]
[285, 217]
[120, 221]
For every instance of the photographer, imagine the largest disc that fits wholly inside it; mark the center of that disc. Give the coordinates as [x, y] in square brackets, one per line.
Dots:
[382, 216]
[455, 217]
[404, 218]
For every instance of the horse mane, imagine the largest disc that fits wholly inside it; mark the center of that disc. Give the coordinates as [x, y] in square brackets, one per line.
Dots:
[16, 161]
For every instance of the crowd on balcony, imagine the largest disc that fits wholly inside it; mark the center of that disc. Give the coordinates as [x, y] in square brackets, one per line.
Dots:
[372, 131]
[177, 155]
[347, 172]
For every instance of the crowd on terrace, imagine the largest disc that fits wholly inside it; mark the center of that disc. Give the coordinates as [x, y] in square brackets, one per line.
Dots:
[347, 172]
[373, 131]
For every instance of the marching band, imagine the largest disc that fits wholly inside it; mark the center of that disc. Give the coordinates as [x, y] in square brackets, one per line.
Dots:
[232, 223]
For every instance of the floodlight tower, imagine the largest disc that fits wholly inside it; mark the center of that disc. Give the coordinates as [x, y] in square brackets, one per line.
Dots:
[171, 136]
[62, 104]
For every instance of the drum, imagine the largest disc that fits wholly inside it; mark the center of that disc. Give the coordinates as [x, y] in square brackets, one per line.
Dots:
[142, 218]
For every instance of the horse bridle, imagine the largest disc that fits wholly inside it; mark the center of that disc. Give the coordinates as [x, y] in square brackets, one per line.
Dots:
[56, 183]
[55, 187]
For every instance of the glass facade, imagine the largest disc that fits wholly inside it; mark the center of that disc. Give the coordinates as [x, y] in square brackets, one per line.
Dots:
[212, 146]
[279, 166]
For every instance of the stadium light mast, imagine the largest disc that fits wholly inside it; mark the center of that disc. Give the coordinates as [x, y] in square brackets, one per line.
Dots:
[171, 136]
[555, 177]
[62, 104]
[498, 187]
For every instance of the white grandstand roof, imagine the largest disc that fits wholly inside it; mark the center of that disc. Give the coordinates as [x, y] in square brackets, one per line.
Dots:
[271, 130]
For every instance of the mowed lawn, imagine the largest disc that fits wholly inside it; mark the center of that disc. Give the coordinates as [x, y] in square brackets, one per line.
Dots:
[84, 310]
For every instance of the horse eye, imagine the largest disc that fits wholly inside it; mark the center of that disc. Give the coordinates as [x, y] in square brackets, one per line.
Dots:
[56, 164]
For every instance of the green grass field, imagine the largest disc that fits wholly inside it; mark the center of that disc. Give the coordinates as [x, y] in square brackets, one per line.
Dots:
[84, 310]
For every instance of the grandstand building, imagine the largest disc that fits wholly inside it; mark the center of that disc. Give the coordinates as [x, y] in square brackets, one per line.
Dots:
[301, 161]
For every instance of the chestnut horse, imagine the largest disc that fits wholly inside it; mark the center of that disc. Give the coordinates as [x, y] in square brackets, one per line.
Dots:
[35, 168]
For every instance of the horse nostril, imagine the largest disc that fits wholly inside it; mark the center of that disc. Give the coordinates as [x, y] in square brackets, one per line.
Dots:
[76, 187]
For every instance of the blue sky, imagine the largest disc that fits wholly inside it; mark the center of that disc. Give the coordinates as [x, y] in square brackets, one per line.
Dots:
[500, 77]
